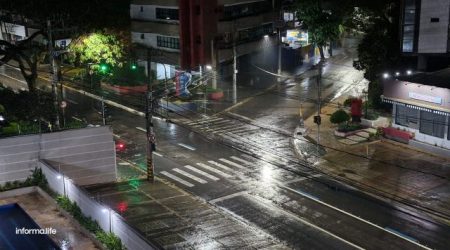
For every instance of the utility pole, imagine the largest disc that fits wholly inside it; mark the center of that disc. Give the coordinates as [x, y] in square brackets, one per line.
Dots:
[213, 64]
[55, 70]
[319, 107]
[103, 111]
[148, 119]
[235, 71]
[279, 55]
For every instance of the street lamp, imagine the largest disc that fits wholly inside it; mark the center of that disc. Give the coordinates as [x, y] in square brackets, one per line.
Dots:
[397, 73]
[208, 67]
[104, 210]
[385, 75]
[409, 72]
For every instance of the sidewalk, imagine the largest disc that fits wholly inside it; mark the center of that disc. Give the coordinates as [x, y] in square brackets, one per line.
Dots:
[175, 219]
[385, 168]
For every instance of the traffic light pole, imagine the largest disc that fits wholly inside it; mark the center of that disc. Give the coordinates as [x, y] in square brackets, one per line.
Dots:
[148, 120]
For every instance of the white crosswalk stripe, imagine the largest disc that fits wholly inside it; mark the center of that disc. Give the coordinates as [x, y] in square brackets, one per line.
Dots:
[204, 121]
[220, 166]
[175, 178]
[193, 177]
[214, 170]
[234, 164]
[212, 177]
[242, 161]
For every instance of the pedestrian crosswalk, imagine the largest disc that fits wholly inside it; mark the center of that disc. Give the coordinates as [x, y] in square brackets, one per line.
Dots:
[205, 172]
[231, 168]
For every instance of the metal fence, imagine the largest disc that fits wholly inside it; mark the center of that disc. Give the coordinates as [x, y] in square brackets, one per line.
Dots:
[107, 218]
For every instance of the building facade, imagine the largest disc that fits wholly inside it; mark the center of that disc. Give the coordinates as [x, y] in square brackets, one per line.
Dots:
[424, 29]
[191, 33]
[421, 105]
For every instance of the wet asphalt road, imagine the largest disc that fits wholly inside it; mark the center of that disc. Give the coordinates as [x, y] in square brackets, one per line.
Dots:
[304, 211]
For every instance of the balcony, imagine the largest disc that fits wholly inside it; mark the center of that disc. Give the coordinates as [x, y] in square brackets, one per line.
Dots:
[245, 22]
[168, 29]
[156, 2]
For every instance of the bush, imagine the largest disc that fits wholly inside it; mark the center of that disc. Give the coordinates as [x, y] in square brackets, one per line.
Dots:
[347, 127]
[110, 240]
[37, 178]
[339, 117]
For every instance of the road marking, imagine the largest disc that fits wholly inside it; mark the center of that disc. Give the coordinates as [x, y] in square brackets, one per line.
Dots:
[302, 179]
[141, 129]
[212, 177]
[221, 166]
[214, 170]
[173, 177]
[124, 164]
[356, 217]
[312, 197]
[400, 234]
[76, 118]
[203, 121]
[158, 154]
[226, 197]
[232, 163]
[193, 177]
[21, 81]
[273, 207]
[186, 146]
[242, 160]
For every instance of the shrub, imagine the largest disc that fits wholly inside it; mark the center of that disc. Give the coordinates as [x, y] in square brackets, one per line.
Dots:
[349, 127]
[110, 240]
[339, 117]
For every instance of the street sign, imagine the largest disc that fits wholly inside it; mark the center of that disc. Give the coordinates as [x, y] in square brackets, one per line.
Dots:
[63, 104]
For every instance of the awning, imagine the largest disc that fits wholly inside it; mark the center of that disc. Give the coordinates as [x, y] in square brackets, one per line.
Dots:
[416, 105]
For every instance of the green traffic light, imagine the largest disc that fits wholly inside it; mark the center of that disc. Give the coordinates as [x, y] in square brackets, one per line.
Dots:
[103, 68]
[133, 67]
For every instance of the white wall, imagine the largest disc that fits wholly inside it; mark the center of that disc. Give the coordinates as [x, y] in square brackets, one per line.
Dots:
[149, 40]
[433, 36]
[87, 155]
[148, 13]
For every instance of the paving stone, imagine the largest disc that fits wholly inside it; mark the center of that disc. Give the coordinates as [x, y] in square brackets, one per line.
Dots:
[363, 134]
[347, 141]
[357, 138]
[370, 130]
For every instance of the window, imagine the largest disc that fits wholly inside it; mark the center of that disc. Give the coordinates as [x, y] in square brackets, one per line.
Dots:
[166, 14]
[409, 25]
[434, 20]
[432, 124]
[142, 36]
[245, 9]
[255, 33]
[142, 8]
[168, 42]
[407, 117]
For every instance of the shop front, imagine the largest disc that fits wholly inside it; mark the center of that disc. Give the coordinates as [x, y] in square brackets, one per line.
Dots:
[421, 109]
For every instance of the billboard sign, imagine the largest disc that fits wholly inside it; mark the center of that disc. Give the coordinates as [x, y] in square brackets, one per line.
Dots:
[183, 79]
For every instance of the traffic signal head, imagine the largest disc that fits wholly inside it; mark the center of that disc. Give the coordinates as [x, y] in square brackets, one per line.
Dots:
[133, 66]
[104, 68]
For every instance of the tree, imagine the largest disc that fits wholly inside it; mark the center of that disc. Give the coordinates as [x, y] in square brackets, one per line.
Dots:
[98, 48]
[26, 54]
[379, 49]
[339, 117]
[322, 20]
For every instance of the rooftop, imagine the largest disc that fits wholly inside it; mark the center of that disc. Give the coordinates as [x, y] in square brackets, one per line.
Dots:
[440, 78]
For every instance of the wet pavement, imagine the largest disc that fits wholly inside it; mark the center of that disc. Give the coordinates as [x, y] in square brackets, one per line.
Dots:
[240, 161]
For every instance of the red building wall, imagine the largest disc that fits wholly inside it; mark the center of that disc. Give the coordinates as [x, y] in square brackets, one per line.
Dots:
[198, 26]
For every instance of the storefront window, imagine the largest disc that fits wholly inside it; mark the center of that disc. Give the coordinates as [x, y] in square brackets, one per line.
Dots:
[407, 117]
[432, 124]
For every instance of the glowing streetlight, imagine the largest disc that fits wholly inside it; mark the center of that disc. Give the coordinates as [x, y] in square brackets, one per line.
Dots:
[408, 72]
[208, 67]
[266, 36]
[385, 75]
[397, 73]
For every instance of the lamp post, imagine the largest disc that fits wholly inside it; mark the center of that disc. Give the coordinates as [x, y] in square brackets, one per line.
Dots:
[105, 210]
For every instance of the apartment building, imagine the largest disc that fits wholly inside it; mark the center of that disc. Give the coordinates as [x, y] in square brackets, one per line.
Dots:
[188, 34]
[425, 29]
